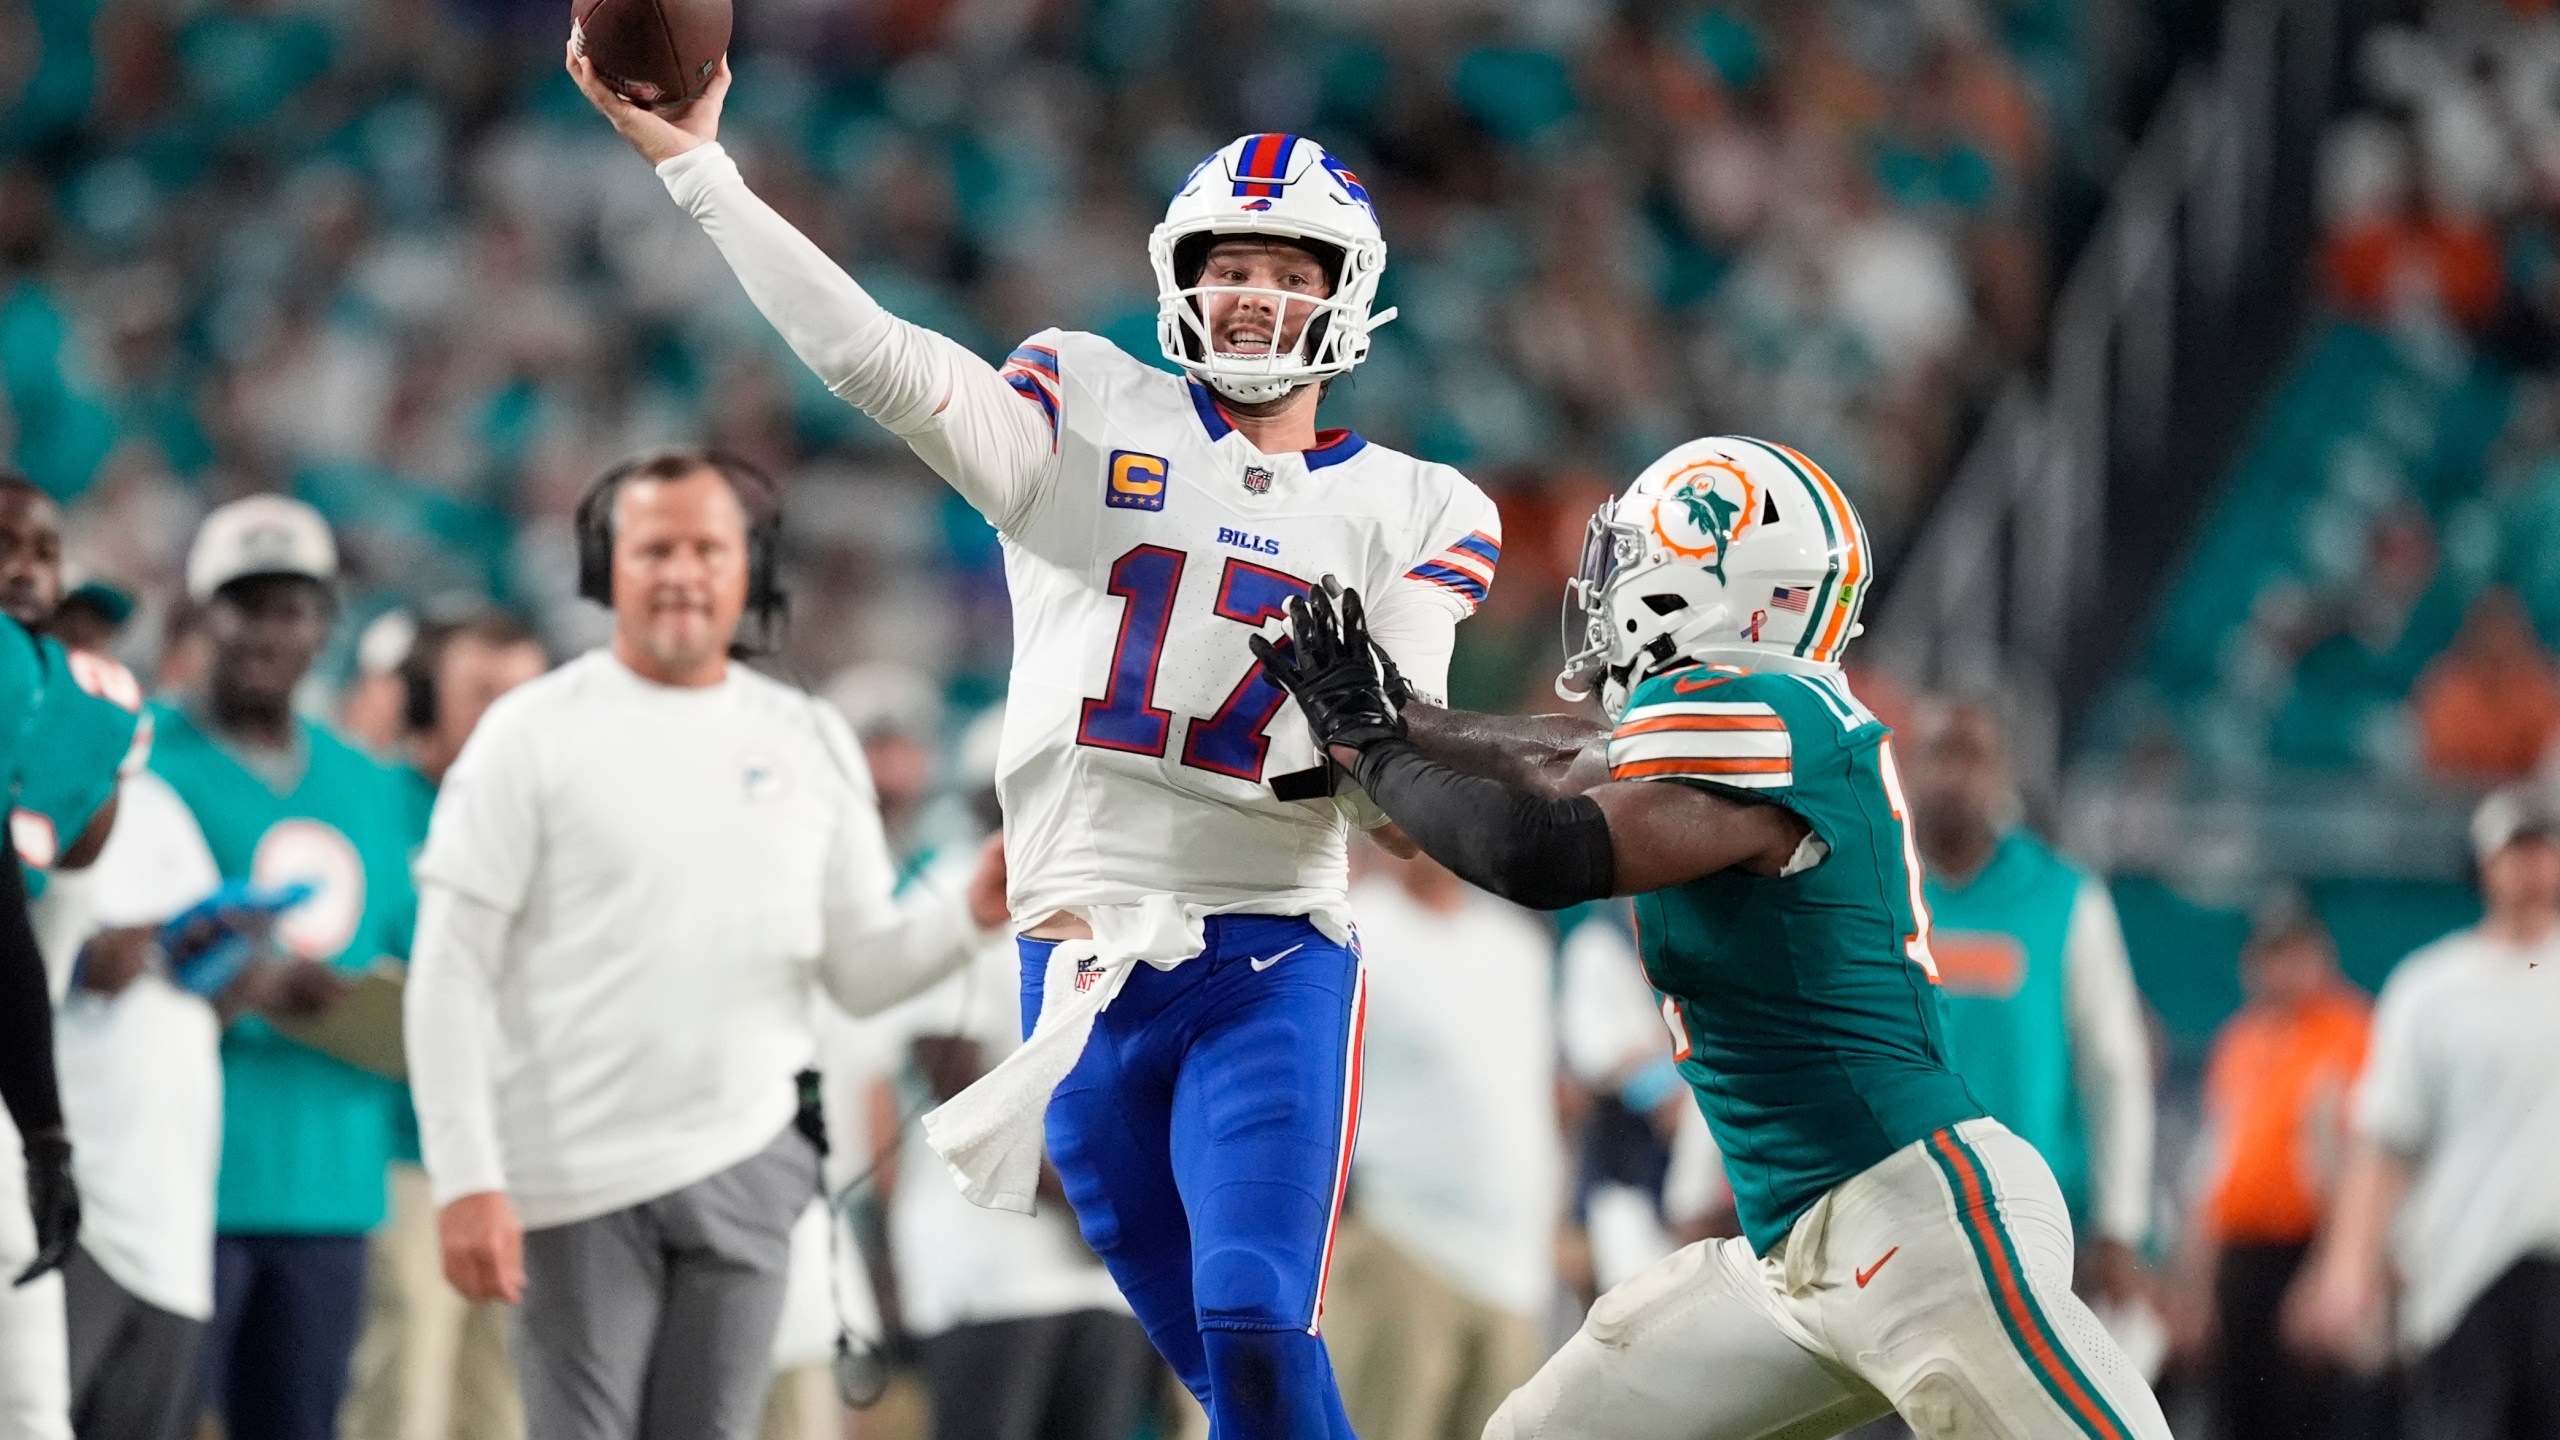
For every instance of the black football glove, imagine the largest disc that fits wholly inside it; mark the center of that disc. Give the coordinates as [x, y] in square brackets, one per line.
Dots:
[53, 1199]
[1331, 670]
[1399, 690]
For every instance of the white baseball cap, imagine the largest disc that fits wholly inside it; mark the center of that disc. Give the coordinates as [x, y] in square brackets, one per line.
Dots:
[261, 535]
[2511, 815]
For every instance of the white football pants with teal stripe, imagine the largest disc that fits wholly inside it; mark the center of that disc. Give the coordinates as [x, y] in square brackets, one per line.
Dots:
[1937, 1284]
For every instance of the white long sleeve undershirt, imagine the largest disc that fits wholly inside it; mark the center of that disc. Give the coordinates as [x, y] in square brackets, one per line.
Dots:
[2111, 1061]
[927, 389]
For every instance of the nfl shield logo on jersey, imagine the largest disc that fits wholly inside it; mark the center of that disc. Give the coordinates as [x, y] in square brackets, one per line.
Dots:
[1257, 480]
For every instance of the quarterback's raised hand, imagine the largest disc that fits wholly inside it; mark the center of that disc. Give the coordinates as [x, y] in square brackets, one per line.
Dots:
[1331, 670]
[659, 135]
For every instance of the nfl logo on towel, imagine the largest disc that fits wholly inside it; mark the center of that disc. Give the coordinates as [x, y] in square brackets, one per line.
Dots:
[1257, 480]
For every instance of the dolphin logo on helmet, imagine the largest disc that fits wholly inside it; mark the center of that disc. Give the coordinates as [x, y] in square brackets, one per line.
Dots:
[1726, 550]
[1287, 188]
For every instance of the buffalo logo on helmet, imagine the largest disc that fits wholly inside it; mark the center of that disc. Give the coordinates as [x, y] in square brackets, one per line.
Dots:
[1703, 510]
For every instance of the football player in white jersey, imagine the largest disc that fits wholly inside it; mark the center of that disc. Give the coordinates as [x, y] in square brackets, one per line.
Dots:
[1176, 847]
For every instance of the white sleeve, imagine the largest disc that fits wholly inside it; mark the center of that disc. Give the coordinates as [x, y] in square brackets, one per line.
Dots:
[991, 443]
[881, 947]
[449, 1022]
[1415, 617]
[1417, 623]
[484, 836]
[155, 864]
[2394, 1100]
[2111, 1059]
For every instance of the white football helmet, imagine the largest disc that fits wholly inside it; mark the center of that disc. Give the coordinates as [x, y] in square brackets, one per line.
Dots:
[1726, 550]
[1286, 187]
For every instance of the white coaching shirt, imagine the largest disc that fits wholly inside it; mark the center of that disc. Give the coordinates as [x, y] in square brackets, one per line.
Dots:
[2461, 1085]
[627, 893]
[1460, 1161]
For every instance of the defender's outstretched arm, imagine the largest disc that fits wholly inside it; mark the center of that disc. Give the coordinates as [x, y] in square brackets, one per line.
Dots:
[1541, 850]
[1547, 755]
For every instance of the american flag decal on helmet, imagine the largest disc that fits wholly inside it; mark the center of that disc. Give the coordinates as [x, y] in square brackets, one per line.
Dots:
[1791, 597]
[1464, 569]
[1265, 166]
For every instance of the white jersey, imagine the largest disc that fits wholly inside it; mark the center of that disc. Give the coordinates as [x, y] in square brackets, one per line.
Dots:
[1145, 540]
[1142, 744]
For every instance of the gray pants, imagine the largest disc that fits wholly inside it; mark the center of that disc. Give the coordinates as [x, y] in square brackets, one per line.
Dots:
[133, 1364]
[657, 1322]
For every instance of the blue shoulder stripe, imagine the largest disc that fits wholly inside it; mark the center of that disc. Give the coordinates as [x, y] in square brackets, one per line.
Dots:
[1451, 578]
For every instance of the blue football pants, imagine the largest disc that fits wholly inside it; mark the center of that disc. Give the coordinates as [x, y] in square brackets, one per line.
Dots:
[1205, 1141]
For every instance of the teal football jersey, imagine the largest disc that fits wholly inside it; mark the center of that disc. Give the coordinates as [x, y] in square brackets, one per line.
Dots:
[21, 694]
[305, 1136]
[2000, 940]
[89, 733]
[1804, 1007]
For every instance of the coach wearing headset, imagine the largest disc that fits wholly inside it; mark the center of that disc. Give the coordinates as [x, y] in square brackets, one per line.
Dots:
[637, 876]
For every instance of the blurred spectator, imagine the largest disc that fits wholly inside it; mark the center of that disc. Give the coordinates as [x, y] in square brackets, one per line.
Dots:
[141, 1063]
[2418, 258]
[306, 1136]
[372, 710]
[1021, 1333]
[2042, 1016]
[430, 1364]
[2275, 1097]
[2454, 1178]
[1635, 1115]
[1443, 1270]
[2489, 708]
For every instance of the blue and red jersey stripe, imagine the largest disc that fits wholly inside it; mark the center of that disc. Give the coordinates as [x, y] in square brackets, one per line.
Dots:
[1465, 568]
[1033, 370]
[1265, 164]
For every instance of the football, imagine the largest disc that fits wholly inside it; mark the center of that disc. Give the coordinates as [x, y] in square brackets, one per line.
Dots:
[654, 53]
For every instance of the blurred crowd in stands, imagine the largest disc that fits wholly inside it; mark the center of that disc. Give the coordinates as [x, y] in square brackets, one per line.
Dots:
[2378, 590]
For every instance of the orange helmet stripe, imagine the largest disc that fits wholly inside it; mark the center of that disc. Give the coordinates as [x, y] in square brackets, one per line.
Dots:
[1853, 572]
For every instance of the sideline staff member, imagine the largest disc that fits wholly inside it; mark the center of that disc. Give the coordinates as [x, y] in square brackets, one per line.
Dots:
[305, 1135]
[634, 873]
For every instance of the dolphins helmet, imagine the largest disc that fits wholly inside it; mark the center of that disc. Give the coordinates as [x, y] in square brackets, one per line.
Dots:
[1285, 187]
[1727, 550]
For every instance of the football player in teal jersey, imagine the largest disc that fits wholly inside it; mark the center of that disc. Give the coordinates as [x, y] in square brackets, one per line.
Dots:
[1901, 1249]
[89, 729]
[27, 1085]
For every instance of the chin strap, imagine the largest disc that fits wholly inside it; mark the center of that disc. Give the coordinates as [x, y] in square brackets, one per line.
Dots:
[1252, 392]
